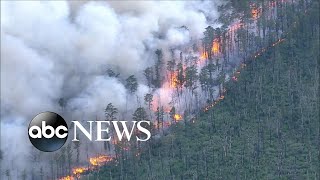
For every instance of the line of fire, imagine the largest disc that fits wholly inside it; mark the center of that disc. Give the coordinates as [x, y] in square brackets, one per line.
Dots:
[225, 50]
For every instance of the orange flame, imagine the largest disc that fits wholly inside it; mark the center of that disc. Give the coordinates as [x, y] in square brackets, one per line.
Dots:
[203, 56]
[177, 117]
[174, 80]
[255, 11]
[67, 178]
[94, 163]
[79, 170]
[100, 160]
[215, 46]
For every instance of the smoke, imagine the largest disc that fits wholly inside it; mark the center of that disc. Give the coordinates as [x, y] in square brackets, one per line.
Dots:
[57, 50]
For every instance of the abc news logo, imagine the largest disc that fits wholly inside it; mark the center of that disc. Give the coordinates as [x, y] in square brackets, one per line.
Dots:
[48, 131]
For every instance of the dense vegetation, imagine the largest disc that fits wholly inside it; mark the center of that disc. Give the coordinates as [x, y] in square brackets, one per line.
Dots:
[267, 126]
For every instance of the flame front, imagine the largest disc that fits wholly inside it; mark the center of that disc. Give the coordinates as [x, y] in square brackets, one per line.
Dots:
[79, 170]
[67, 178]
[168, 87]
[100, 160]
[95, 162]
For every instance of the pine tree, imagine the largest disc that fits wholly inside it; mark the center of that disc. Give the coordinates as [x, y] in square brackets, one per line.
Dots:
[131, 84]
[110, 115]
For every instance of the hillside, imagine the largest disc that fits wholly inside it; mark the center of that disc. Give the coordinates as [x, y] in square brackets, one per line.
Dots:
[163, 90]
[266, 127]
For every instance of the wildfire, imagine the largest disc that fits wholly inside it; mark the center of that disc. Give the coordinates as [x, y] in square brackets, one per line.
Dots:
[174, 80]
[100, 160]
[67, 178]
[94, 163]
[79, 170]
[203, 56]
[264, 49]
[216, 101]
[235, 26]
[210, 106]
[238, 72]
[215, 50]
[255, 11]
[177, 117]
[103, 159]
[215, 47]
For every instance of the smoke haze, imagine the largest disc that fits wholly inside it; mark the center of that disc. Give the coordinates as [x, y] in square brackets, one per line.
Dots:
[57, 49]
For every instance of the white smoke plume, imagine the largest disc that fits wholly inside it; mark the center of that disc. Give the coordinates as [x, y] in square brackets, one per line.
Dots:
[58, 49]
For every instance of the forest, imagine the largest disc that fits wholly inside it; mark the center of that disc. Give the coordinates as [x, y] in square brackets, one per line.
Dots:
[264, 121]
[240, 103]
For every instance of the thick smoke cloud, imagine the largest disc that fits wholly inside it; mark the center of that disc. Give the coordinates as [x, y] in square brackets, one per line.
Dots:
[57, 49]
